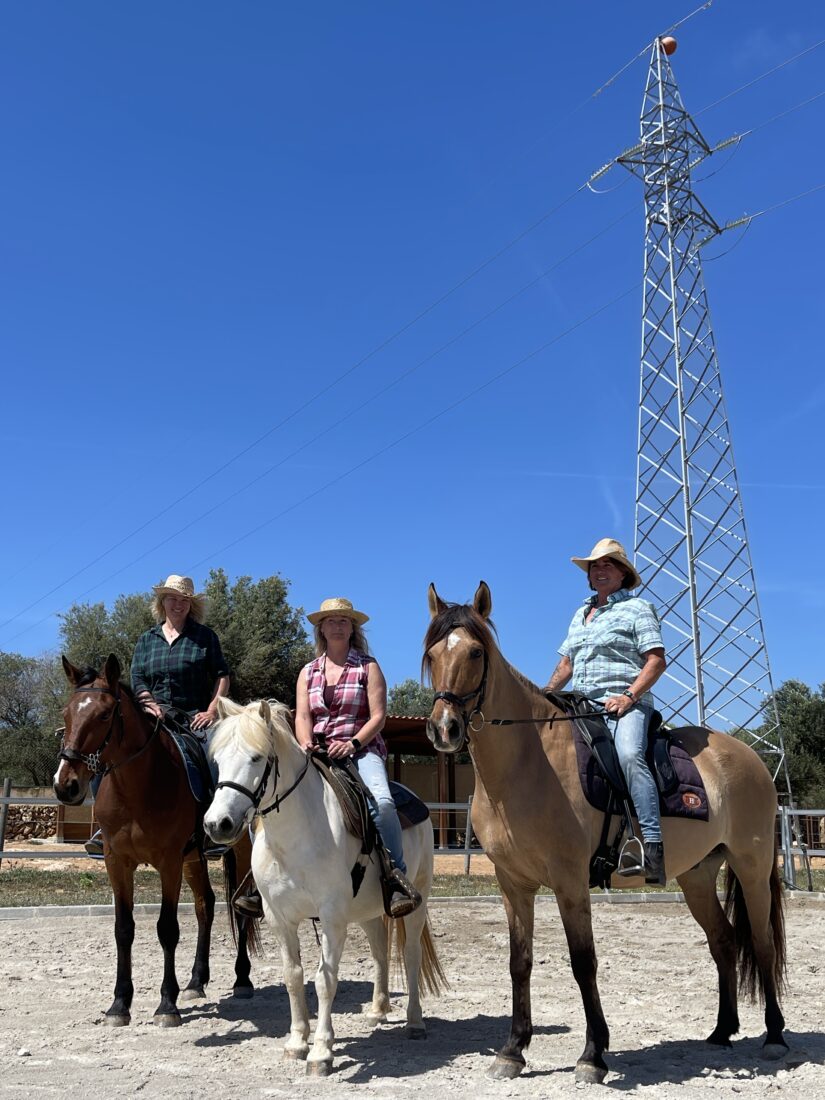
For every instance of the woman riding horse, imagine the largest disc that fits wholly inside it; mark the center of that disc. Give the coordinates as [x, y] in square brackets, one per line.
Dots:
[614, 653]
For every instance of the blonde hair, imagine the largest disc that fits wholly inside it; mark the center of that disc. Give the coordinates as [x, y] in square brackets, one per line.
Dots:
[357, 640]
[197, 606]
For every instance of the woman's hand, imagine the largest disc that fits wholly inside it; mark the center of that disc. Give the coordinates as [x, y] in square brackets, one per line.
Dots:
[618, 705]
[151, 707]
[340, 750]
[202, 720]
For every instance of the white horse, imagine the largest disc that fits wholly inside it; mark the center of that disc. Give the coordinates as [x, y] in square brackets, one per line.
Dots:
[302, 857]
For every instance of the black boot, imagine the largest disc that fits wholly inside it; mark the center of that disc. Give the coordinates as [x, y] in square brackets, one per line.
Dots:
[246, 901]
[94, 845]
[400, 896]
[655, 864]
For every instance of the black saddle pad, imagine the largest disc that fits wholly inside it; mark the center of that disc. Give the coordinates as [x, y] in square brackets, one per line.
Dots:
[681, 790]
[411, 810]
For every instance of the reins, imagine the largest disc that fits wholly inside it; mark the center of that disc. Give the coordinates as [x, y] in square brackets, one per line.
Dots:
[257, 796]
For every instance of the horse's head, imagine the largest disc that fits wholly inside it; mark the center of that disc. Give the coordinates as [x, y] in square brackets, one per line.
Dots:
[456, 654]
[91, 716]
[244, 745]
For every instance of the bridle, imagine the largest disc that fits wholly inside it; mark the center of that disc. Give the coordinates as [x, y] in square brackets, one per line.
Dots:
[256, 796]
[93, 760]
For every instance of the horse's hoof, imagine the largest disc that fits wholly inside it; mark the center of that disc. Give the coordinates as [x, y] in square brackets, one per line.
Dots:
[588, 1074]
[294, 1055]
[773, 1052]
[319, 1069]
[167, 1019]
[416, 1032]
[116, 1019]
[243, 992]
[192, 993]
[505, 1068]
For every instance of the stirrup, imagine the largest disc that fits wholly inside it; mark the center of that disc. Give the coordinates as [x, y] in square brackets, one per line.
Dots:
[94, 845]
[400, 896]
[246, 901]
[631, 858]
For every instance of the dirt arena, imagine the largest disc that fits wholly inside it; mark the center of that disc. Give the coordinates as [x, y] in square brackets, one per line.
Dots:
[658, 988]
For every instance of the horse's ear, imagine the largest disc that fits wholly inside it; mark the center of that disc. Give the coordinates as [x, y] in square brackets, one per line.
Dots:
[435, 602]
[227, 707]
[72, 673]
[265, 711]
[111, 671]
[483, 601]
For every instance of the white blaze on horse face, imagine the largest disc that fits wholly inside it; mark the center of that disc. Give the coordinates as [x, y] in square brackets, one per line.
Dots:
[452, 640]
[85, 703]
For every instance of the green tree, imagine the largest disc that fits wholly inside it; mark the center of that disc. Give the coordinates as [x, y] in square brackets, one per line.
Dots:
[90, 632]
[262, 636]
[802, 721]
[410, 698]
[32, 693]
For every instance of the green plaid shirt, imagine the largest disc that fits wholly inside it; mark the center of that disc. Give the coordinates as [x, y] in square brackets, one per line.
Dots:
[183, 674]
[608, 652]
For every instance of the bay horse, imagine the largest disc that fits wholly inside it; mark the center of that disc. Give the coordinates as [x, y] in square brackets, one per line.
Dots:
[147, 814]
[531, 817]
[303, 858]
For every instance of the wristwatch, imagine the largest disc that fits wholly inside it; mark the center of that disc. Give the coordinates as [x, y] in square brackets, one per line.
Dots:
[629, 694]
[356, 744]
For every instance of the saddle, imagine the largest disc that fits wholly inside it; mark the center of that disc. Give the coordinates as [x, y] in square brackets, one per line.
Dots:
[192, 749]
[681, 790]
[353, 797]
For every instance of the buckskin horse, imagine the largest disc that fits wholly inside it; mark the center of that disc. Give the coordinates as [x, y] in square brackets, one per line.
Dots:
[306, 863]
[533, 821]
[148, 814]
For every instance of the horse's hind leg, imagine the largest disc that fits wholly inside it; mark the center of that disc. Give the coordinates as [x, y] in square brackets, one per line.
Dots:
[759, 927]
[376, 933]
[236, 865]
[196, 874]
[699, 888]
[122, 878]
[166, 1014]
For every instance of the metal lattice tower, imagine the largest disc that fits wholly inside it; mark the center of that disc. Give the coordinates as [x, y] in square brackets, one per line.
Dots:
[691, 542]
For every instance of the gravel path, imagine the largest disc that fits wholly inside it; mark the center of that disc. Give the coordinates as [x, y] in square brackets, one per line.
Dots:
[657, 983]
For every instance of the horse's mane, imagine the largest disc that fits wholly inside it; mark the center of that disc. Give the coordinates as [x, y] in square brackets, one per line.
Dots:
[88, 675]
[249, 730]
[458, 616]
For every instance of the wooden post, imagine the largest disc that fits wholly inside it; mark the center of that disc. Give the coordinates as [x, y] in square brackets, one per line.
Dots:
[443, 787]
[4, 809]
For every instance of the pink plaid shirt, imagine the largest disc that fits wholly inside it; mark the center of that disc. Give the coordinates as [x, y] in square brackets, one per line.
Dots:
[350, 708]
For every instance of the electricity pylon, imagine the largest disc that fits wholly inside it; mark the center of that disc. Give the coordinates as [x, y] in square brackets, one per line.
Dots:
[691, 543]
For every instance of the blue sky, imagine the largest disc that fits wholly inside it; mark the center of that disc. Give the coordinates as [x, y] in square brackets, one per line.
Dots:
[212, 212]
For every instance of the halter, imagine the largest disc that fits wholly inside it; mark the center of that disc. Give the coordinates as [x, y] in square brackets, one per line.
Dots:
[92, 760]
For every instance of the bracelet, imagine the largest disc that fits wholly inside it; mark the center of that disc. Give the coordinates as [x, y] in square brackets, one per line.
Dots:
[630, 694]
[356, 744]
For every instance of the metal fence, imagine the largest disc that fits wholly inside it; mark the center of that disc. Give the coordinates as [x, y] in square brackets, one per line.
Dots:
[800, 835]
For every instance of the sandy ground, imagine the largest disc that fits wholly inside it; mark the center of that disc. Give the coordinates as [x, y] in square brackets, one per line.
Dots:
[657, 983]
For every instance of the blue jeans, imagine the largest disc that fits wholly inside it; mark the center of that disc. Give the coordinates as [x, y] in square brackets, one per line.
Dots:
[630, 736]
[373, 771]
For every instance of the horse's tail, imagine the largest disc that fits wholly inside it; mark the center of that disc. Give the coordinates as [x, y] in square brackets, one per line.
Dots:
[231, 883]
[737, 913]
[432, 978]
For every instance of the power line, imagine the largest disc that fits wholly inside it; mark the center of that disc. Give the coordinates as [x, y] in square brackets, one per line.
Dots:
[769, 72]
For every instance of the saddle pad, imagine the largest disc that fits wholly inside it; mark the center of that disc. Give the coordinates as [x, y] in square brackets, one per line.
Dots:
[687, 799]
[411, 810]
[198, 768]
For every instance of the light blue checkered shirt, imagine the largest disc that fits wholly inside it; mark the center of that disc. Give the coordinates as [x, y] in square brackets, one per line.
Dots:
[608, 652]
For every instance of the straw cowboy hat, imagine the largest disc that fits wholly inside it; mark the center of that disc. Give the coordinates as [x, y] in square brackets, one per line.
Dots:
[339, 607]
[177, 586]
[609, 548]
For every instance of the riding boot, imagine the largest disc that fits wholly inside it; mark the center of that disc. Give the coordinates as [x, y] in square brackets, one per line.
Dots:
[655, 863]
[246, 901]
[94, 845]
[400, 896]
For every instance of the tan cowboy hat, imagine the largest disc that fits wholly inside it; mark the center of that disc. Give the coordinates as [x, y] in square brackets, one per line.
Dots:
[337, 606]
[177, 586]
[609, 548]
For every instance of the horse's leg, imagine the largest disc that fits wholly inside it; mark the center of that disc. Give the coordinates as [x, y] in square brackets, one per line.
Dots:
[574, 909]
[197, 876]
[333, 937]
[519, 905]
[414, 929]
[122, 879]
[376, 933]
[759, 919]
[297, 1045]
[699, 887]
[246, 927]
[171, 873]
